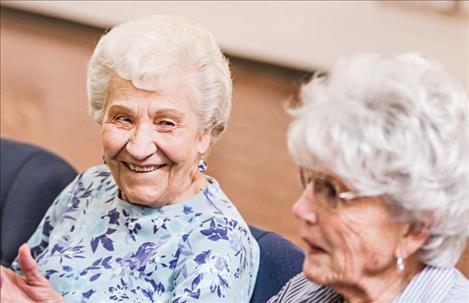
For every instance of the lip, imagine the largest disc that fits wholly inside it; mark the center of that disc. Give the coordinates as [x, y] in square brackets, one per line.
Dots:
[143, 169]
[313, 247]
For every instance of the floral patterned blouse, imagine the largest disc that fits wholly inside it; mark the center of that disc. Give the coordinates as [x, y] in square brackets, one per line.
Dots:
[95, 247]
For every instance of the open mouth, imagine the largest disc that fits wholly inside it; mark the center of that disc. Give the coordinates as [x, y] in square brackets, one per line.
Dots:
[313, 248]
[143, 168]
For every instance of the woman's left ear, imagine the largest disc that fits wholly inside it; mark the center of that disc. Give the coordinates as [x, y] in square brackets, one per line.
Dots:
[413, 237]
[204, 142]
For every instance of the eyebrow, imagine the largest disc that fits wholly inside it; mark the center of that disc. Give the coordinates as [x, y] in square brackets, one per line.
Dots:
[118, 107]
[160, 112]
[170, 112]
[336, 183]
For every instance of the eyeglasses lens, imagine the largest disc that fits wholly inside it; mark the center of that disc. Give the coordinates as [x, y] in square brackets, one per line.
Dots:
[324, 191]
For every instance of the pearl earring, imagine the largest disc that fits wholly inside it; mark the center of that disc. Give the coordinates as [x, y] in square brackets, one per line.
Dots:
[400, 264]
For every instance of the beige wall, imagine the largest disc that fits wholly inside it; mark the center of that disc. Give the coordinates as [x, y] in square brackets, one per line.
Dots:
[299, 34]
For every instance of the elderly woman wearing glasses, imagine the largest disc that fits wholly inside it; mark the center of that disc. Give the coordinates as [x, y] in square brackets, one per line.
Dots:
[383, 146]
[150, 225]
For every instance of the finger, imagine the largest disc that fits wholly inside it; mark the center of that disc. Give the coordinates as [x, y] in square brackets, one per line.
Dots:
[3, 275]
[7, 275]
[29, 267]
[11, 287]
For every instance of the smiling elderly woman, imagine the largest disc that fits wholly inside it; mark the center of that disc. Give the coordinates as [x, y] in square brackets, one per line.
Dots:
[383, 146]
[149, 226]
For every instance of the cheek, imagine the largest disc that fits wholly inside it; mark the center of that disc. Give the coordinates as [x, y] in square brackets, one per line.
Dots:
[181, 150]
[349, 242]
[113, 140]
[361, 244]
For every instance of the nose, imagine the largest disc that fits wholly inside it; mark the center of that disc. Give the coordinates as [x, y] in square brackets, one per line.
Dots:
[304, 207]
[141, 144]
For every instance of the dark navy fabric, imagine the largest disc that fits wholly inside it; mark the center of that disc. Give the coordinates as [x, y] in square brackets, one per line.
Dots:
[31, 178]
[280, 261]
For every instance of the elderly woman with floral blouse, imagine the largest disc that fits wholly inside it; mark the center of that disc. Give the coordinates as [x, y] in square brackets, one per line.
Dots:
[383, 147]
[149, 225]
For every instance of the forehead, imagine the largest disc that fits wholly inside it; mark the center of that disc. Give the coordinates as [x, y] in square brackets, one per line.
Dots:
[174, 92]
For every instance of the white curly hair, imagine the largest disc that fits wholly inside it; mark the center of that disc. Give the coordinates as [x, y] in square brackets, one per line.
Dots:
[146, 50]
[396, 127]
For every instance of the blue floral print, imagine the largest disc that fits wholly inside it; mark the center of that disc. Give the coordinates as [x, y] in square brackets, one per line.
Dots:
[95, 247]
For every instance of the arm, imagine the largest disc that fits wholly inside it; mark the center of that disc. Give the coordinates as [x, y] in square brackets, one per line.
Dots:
[217, 263]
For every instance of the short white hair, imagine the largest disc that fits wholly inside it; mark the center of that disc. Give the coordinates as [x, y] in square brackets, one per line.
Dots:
[146, 50]
[397, 127]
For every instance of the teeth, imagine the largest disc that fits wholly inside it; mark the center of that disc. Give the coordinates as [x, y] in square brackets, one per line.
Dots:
[144, 169]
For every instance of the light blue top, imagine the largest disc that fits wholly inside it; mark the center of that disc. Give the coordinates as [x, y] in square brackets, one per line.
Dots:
[95, 247]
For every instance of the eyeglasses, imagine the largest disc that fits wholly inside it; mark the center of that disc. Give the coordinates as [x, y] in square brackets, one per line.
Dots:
[325, 190]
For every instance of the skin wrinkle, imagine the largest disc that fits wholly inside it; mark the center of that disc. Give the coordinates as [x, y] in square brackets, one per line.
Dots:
[361, 238]
[354, 244]
[139, 141]
[351, 277]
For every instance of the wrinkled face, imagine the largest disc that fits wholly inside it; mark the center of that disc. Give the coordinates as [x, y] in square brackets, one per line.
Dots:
[357, 239]
[152, 141]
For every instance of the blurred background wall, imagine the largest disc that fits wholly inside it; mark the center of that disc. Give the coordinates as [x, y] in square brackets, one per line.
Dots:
[301, 34]
[273, 47]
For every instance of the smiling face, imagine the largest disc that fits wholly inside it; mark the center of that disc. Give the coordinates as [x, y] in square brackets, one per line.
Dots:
[152, 141]
[357, 239]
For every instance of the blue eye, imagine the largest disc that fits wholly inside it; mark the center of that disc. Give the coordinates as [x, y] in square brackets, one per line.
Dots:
[165, 125]
[125, 119]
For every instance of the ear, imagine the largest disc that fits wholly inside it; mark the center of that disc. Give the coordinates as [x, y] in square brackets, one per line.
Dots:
[203, 142]
[413, 236]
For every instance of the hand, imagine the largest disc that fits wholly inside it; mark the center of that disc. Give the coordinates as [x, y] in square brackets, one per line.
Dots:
[33, 287]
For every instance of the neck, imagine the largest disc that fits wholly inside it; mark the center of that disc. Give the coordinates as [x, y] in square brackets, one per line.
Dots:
[382, 288]
[197, 182]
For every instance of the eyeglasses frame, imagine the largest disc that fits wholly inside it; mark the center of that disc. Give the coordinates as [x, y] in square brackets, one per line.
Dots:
[342, 195]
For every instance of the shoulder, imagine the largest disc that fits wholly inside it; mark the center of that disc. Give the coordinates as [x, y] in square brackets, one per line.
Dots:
[94, 177]
[300, 289]
[219, 249]
[459, 292]
[220, 228]
[217, 203]
[99, 172]
[436, 284]
[95, 182]
[220, 219]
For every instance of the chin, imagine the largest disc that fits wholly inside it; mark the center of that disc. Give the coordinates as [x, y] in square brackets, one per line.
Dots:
[313, 271]
[141, 198]
[143, 202]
